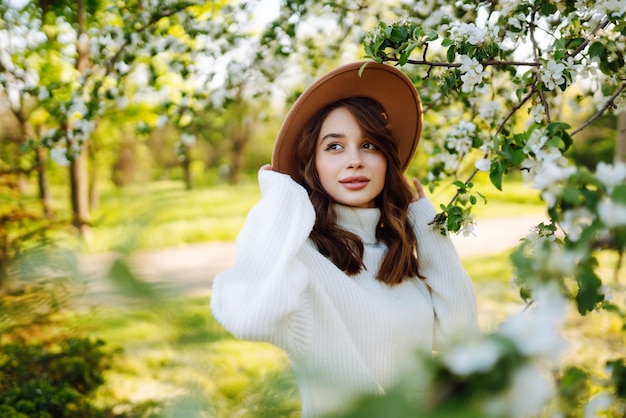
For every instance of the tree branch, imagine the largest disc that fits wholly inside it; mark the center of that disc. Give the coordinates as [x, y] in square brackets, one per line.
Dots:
[458, 64]
[604, 23]
[542, 97]
[515, 108]
[609, 104]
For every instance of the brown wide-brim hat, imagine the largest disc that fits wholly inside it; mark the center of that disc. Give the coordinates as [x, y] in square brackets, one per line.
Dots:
[386, 84]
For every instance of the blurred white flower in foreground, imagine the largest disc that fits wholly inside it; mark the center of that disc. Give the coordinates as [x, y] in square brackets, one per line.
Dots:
[536, 331]
[474, 356]
[529, 392]
[598, 403]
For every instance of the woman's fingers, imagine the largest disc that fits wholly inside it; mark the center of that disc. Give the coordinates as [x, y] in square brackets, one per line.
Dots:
[419, 189]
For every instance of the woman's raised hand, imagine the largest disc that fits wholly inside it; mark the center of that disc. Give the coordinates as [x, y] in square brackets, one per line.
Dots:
[419, 189]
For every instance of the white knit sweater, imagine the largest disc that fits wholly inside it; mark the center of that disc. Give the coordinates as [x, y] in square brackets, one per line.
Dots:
[345, 335]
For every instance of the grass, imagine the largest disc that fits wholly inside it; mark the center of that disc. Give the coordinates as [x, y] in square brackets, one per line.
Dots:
[163, 215]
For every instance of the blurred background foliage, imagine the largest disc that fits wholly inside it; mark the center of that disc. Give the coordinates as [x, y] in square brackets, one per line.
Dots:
[139, 125]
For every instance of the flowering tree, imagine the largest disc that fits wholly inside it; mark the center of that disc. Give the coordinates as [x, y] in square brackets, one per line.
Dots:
[67, 65]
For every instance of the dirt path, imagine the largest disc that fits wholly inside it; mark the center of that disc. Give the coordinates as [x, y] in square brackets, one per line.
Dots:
[190, 269]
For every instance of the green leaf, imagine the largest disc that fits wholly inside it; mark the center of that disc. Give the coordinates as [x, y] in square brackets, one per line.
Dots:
[496, 174]
[547, 8]
[596, 49]
[588, 296]
[396, 35]
[517, 156]
[432, 35]
[571, 195]
[451, 54]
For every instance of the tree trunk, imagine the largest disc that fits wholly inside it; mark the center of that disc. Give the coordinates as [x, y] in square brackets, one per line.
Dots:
[187, 170]
[41, 154]
[78, 167]
[620, 143]
[94, 190]
[78, 187]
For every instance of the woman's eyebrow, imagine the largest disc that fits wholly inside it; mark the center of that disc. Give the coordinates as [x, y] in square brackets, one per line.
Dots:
[332, 135]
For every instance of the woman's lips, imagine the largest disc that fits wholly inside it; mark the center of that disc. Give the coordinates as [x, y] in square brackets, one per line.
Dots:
[354, 183]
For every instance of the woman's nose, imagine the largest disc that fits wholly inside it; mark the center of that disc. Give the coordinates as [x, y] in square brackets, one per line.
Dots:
[354, 158]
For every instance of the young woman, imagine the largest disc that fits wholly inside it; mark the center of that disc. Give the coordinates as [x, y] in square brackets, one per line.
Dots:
[337, 264]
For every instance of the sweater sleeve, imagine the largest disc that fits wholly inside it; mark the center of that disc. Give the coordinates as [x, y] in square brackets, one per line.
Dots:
[452, 291]
[262, 297]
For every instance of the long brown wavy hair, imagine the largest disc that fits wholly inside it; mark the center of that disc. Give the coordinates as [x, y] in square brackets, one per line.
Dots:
[342, 247]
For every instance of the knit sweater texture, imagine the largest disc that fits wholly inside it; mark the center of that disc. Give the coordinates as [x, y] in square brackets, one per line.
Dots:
[344, 335]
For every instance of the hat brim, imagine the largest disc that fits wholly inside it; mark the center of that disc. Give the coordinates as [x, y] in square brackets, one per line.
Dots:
[388, 85]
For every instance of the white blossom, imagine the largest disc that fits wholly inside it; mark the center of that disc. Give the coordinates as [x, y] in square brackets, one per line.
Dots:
[462, 145]
[598, 403]
[538, 112]
[77, 110]
[59, 156]
[43, 93]
[574, 221]
[612, 214]
[606, 291]
[552, 74]
[188, 139]
[612, 7]
[538, 235]
[472, 72]
[478, 355]
[536, 331]
[611, 175]
[547, 179]
[490, 111]
[467, 225]
[559, 262]
[469, 31]
[162, 121]
[451, 162]
[517, 21]
[529, 392]
[483, 164]
[536, 142]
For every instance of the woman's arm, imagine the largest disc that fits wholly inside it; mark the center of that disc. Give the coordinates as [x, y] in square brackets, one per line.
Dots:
[453, 294]
[262, 296]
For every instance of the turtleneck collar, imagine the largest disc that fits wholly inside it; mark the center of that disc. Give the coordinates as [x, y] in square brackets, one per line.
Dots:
[360, 221]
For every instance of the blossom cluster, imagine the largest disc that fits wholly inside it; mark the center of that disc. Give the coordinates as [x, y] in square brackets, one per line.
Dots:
[545, 167]
[509, 365]
[453, 147]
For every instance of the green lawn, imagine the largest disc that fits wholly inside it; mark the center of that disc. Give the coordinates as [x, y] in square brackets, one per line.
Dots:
[163, 214]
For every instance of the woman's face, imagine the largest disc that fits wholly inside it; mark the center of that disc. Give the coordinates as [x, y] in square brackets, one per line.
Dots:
[350, 167]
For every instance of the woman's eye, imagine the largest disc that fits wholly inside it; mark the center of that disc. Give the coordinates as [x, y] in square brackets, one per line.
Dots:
[333, 146]
[369, 146]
